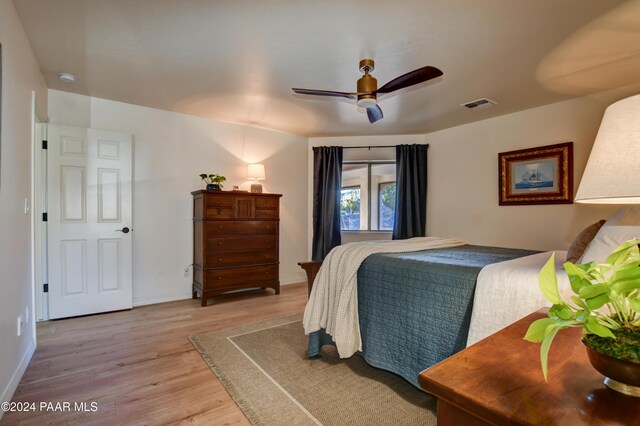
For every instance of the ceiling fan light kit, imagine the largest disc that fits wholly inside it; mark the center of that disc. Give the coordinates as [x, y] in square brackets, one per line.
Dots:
[367, 87]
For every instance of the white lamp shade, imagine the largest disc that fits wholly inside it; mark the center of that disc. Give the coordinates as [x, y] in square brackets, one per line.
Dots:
[255, 172]
[611, 175]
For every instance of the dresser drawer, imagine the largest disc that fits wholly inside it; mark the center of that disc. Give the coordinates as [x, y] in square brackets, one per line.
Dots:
[267, 214]
[238, 258]
[218, 201]
[267, 203]
[241, 227]
[240, 277]
[240, 242]
[218, 212]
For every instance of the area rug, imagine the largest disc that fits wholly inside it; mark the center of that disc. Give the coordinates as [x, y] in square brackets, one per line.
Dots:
[264, 368]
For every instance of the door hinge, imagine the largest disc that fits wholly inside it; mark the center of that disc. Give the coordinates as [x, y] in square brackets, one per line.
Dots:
[44, 144]
[45, 288]
[45, 217]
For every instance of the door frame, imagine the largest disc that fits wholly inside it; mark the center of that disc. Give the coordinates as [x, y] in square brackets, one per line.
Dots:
[39, 227]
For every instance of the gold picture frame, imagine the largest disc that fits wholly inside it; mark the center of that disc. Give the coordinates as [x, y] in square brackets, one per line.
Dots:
[542, 175]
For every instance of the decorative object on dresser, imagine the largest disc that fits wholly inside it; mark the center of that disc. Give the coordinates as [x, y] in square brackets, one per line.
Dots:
[213, 181]
[235, 242]
[255, 172]
[542, 175]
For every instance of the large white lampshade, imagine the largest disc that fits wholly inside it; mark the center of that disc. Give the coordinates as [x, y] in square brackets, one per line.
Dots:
[255, 172]
[612, 173]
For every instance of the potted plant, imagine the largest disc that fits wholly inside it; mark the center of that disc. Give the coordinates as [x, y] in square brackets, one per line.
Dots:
[606, 305]
[213, 181]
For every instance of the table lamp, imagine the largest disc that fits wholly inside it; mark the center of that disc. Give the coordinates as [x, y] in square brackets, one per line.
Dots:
[255, 172]
[611, 175]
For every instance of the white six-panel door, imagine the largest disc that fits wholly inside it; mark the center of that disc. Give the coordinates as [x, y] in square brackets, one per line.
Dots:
[89, 205]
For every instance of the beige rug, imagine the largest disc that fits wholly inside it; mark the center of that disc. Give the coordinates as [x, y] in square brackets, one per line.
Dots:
[264, 368]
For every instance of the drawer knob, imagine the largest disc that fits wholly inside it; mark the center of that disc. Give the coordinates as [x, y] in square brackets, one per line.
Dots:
[220, 243]
[219, 278]
[219, 226]
[219, 259]
[266, 241]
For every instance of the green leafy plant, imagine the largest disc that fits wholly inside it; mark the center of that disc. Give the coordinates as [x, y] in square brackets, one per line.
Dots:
[213, 178]
[606, 305]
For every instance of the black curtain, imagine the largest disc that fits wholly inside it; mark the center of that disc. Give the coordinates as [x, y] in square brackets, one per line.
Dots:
[411, 192]
[327, 183]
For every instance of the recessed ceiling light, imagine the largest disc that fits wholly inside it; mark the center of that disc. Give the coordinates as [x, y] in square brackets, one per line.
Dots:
[68, 78]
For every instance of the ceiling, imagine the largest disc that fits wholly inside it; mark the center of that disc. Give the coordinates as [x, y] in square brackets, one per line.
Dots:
[238, 60]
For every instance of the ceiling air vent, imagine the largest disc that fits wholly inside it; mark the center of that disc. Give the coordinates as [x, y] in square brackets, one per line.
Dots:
[479, 103]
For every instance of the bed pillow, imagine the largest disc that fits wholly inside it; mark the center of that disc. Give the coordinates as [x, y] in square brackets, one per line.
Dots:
[625, 216]
[607, 240]
[579, 245]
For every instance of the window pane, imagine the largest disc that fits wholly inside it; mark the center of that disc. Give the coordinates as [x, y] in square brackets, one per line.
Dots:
[387, 204]
[361, 205]
[350, 209]
[382, 175]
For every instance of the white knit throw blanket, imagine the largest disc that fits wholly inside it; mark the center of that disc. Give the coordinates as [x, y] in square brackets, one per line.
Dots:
[333, 303]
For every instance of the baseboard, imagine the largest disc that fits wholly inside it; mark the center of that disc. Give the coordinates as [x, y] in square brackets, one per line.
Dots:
[154, 300]
[11, 387]
[293, 281]
[164, 299]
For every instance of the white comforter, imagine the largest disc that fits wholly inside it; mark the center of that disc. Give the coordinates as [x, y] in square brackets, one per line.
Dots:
[333, 303]
[508, 291]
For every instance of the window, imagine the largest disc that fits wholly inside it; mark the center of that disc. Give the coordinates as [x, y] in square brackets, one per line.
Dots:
[387, 204]
[367, 200]
[350, 208]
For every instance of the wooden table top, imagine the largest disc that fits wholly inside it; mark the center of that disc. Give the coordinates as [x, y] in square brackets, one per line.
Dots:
[499, 379]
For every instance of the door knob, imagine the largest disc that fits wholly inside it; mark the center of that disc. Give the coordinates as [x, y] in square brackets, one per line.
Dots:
[124, 230]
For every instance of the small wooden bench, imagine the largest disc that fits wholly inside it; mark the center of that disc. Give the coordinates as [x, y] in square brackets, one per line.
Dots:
[311, 268]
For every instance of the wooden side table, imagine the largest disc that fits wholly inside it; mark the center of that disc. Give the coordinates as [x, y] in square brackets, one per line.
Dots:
[311, 268]
[499, 381]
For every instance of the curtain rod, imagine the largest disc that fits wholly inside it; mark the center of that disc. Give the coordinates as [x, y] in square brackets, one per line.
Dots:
[375, 146]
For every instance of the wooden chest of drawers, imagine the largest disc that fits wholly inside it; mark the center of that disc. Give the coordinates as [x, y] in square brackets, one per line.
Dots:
[235, 242]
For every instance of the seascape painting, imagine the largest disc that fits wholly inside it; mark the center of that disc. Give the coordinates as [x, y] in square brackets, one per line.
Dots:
[540, 175]
[534, 176]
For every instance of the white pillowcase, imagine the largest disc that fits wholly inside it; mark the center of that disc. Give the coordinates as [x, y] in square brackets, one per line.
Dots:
[607, 240]
[625, 216]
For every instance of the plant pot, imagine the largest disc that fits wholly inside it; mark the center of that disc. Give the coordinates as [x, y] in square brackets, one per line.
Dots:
[213, 187]
[621, 376]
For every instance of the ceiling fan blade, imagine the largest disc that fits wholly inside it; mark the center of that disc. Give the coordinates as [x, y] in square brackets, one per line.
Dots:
[374, 113]
[411, 78]
[324, 93]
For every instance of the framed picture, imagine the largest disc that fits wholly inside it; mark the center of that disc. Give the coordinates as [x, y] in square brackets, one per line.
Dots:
[542, 175]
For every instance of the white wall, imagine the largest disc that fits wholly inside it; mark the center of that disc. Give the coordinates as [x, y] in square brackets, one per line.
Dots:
[170, 150]
[462, 198]
[463, 177]
[21, 76]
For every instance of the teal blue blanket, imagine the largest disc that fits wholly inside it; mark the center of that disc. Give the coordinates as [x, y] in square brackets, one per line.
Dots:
[415, 308]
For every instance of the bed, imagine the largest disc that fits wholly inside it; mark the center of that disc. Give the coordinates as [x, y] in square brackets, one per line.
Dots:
[417, 308]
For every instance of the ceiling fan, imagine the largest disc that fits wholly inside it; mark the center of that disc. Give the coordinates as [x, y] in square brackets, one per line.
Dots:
[368, 91]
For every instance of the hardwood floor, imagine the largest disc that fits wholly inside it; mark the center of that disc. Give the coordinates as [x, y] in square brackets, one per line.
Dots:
[138, 365]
